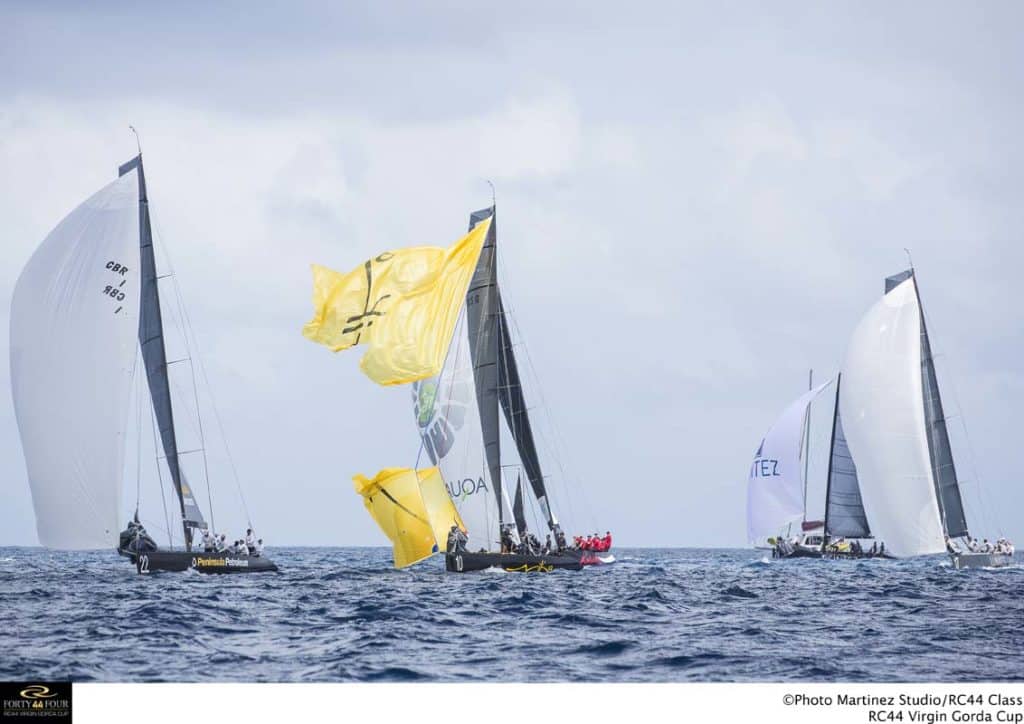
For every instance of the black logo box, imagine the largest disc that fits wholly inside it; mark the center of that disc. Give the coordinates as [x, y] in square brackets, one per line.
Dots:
[35, 701]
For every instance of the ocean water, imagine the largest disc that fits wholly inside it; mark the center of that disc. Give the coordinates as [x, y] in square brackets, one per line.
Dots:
[343, 614]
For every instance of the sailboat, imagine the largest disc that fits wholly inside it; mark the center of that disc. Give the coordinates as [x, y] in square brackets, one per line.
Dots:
[891, 473]
[459, 417]
[85, 306]
[895, 428]
[778, 481]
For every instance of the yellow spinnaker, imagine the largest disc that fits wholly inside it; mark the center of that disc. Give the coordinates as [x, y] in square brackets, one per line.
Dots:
[413, 509]
[402, 304]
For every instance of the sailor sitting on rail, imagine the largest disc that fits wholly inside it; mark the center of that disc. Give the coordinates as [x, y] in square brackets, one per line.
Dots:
[951, 546]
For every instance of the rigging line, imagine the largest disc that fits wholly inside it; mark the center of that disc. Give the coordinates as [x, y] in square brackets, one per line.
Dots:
[556, 445]
[555, 492]
[138, 428]
[159, 475]
[983, 506]
[187, 331]
[976, 480]
[978, 485]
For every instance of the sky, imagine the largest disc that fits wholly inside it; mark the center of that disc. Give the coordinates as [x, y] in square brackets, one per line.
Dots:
[697, 203]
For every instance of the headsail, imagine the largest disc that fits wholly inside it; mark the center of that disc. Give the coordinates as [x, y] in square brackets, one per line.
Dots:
[154, 355]
[774, 484]
[412, 508]
[844, 509]
[517, 417]
[518, 510]
[947, 488]
[74, 321]
[882, 410]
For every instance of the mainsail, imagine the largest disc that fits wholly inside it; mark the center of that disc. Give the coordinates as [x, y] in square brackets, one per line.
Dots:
[482, 326]
[947, 487]
[844, 508]
[883, 414]
[775, 484]
[74, 321]
[154, 356]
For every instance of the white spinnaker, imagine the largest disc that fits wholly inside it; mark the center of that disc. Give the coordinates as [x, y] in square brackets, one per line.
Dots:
[74, 330]
[448, 421]
[882, 406]
[775, 480]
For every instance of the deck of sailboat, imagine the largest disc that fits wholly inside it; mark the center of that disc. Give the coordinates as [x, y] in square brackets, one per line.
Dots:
[570, 560]
[177, 561]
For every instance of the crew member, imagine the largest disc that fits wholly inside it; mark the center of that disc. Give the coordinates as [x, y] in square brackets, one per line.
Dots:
[250, 539]
[257, 549]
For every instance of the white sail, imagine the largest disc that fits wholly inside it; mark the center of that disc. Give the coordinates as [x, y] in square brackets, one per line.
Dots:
[775, 481]
[882, 408]
[448, 421]
[74, 329]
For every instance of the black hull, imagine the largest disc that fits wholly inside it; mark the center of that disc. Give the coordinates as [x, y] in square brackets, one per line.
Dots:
[153, 561]
[833, 555]
[466, 562]
[803, 553]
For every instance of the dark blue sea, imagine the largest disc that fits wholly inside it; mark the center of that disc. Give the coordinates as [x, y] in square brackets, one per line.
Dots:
[343, 614]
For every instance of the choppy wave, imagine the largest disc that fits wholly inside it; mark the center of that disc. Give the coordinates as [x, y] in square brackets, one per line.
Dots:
[657, 615]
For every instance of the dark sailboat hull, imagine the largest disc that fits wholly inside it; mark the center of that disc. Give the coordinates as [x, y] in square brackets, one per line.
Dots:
[177, 561]
[466, 562]
[980, 560]
[803, 553]
[832, 555]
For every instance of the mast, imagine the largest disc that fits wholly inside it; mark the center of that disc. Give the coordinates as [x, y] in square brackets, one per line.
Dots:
[154, 355]
[828, 475]
[807, 439]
